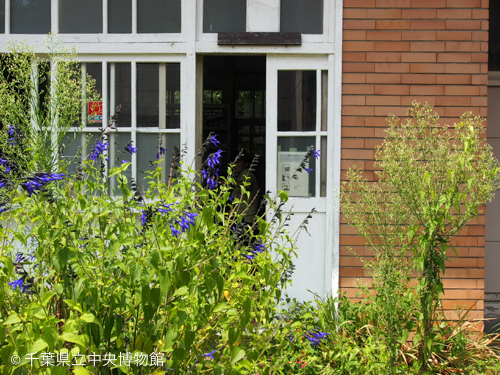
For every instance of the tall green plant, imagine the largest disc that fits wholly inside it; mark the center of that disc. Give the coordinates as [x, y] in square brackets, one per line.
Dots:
[432, 181]
[41, 97]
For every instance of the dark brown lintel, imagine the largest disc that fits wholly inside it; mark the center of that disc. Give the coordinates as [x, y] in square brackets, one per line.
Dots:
[259, 39]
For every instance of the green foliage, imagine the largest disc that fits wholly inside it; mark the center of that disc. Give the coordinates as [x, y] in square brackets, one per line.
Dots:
[110, 275]
[432, 181]
[41, 97]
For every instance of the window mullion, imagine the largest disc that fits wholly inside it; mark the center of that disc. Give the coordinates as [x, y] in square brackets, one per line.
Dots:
[134, 16]
[54, 15]
[133, 90]
[105, 17]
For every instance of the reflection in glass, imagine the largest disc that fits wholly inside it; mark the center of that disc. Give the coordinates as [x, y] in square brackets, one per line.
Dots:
[28, 16]
[296, 100]
[78, 17]
[224, 15]
[159, 16]
[119, 16]
[173, 96]
[123, 92]
[147, 95]
[291, 152]
[302, 16]
[148, 145]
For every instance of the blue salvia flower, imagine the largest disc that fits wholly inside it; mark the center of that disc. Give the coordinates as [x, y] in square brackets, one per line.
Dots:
[315, 337]
[2, 184]
[99, 149]
[174, 230]
[131, 148]
[39, 181]
[162, 152]
[214, 140]
[210, 355]
[317, 154]
[144, 217]
[191, 216]
[3, 207]
[19, 283]
[11, 132]
[167, 208]
[308, 170]
[125, 161]
[214, 159]
[212, 183]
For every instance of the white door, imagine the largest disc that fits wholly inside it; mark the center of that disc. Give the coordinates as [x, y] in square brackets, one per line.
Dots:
[298, 107]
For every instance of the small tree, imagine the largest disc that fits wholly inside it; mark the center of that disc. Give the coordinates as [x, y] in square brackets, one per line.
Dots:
[433, 179]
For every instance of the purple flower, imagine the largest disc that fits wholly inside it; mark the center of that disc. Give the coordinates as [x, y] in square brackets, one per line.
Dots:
[39, 180]
[212, 183]
[317, 154]
[174, 230]
[144, 217]
[308, 170]
[99, 149]
[211, 354]
[125, 161]
[19, 283]
[2, 184]
[131, 148]
[315, 337]
[214, 159]
[167, 208]
[214, 140]
[11, 131]
[162, 152]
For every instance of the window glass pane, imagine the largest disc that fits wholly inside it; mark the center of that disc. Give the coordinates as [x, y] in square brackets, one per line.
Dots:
[159, 16]
[77, 16]
[123, 92]
[324, 100]
[224, 15]
[117, 155]
[297, 100]
[148, 146]
[119, 16]
[29, 16]
[94, 109]
[291, 152]
[72, 151]
[323, 161]
[302, 16]
[173, 96]
[147, 95]
[2, 16]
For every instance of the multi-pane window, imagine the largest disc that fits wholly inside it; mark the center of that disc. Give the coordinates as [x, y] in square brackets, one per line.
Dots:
[76, 16]
[302, 103]
[149, 115]
[28, 16]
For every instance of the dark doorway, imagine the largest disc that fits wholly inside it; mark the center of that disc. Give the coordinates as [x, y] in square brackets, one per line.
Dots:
[234, 106]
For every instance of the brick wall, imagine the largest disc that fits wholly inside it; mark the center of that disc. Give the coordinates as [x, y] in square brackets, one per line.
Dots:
[395, 52]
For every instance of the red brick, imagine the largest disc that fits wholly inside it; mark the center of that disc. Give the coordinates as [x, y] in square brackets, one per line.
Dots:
[479, 101]
[463, 3]
[393, 25]
[480, 58]
[447, 79]
[358, 67]
[485, 25]
[356, 13]
[428, 3]
[383, 13]
[383, 35]
[459, 284]
[427, 68]
[455, 57]
[383, 100]
[392, 46]
[392, 90]
[480, 36]
[428, 25]
[418, 57]
[380, 122]
[463, 25]
[354, 56]
[427, 46]
[463, 47]
[483, 90]
[353, 78]
[426, 90]
[372, 144]
[357, 144]
[479, 14]
[383, 56]
[479, 80]
[392, 67]
[484, 47]
[454, 35]
[461, 90]
[391, 111]
[418, 35]
[359, 3]
[357, 111]
[358, 46]
[424, 79]
[419, 13]
[408, 100]
[354, 35]
[359, 24]
[361, 155]
[453, 101]
[383, 78]
[393, 3]
[353, 100]
[455, 14]
[462, 68]
[352, 121]
[358, 89]
[457, 112]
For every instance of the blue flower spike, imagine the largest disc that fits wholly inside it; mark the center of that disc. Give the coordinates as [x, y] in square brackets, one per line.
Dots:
[210, 354]
[131, 149]
[99, 149]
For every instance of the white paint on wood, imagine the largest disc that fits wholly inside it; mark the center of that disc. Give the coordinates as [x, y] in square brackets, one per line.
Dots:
[263, 15]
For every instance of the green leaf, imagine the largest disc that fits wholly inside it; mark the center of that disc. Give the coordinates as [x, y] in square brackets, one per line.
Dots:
[71, 337]
[183, 290]
[80, 370]
[237, 354]
[90, 318]
[12, 319]
[283, 196]
[38, 345]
